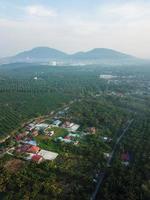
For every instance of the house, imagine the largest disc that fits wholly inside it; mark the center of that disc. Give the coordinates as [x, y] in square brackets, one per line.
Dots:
[67, 124]
[107, 76]
[33, 149]
[30, 126]
[74, 128]
[66, 109]
[61, 113]
[57, 122]
[29, 156]
[32, 142]
[106, 155]
[21, 136]
[125, 163]
[35, 133]
[85, 133]
[41, 126]
[76, 143]
[92, 130]
[67, 140]
[37, 158]
[74, 135]
[67, 137]
[119, 94]
[23, 148]
[125, 157]
[51, 133]
[71, 126]
[47, 155]
[106, 139]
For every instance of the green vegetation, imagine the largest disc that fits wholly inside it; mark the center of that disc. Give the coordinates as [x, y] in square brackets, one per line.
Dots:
[106, 105]
[23, 98]
[132, 182]
[49, 143]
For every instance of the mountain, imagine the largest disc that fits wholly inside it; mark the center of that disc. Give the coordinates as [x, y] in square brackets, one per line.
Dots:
[101, 53]
[53, 56]
[103, 56]
[38, 54]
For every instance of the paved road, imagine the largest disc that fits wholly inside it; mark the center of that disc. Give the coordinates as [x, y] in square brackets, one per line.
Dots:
[101, 176]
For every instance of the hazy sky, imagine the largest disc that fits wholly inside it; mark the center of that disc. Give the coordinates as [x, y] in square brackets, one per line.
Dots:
[75, 25]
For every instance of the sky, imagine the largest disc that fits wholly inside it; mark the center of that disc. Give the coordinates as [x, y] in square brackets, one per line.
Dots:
[75, 25]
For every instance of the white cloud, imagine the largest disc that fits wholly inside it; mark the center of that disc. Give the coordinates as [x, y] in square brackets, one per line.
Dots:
[127, 11]
[40, 11]
[125, 27]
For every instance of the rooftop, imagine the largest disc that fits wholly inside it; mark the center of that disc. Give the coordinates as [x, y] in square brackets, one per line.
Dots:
[47, 155]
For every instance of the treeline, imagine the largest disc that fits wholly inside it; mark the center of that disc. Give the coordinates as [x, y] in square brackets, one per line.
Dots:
[132, 181]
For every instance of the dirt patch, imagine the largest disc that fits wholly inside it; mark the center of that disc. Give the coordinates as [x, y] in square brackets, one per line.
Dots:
[14, 165]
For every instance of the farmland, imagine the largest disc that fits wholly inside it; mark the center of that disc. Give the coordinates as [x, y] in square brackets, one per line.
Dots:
[23, 97]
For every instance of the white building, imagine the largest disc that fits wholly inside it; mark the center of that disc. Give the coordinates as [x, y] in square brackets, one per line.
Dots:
[73, 128]
[107, 76]
[41, 126]
[47, 155]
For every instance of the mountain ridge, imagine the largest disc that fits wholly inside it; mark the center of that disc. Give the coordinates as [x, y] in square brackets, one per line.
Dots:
[50, 55]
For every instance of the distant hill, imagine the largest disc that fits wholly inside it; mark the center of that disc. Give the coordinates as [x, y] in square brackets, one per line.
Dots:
[38, 54]
[101, 53]
[50, 55]
[103, 56]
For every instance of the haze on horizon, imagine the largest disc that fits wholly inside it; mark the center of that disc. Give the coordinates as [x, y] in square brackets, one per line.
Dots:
[75, 25]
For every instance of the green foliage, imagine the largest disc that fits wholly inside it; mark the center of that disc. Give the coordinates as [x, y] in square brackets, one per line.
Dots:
[70, 175]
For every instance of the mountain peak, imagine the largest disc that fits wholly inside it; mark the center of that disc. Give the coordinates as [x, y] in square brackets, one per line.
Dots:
[101, 53]
[40, 53]
[41, 48]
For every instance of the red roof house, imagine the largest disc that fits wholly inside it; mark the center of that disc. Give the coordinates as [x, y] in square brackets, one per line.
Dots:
[37, 158]
[125, 157]
[67, 137]
[33, 149]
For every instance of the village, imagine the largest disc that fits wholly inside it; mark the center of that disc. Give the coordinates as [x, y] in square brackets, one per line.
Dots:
[25, 143]
[28, 143]
[49, 139]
